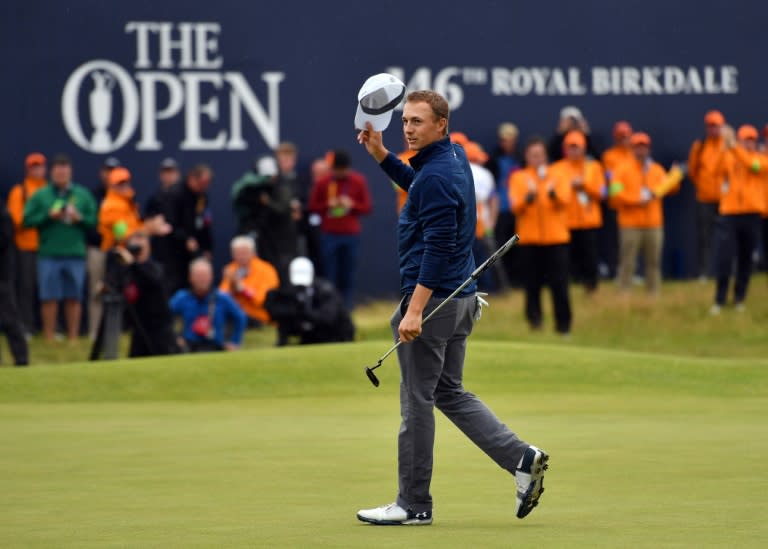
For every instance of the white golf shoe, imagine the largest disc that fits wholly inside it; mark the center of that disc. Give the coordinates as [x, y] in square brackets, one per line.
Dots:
[529, 478]
[393, 514]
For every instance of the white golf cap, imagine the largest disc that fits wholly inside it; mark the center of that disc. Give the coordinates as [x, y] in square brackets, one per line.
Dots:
[377, 99]
[301, 272]
[571, 112]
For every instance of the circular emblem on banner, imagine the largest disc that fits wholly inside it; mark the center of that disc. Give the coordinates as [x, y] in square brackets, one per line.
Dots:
[103, 79]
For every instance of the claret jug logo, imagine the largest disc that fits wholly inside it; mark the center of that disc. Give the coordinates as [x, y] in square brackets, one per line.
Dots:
[177, 74]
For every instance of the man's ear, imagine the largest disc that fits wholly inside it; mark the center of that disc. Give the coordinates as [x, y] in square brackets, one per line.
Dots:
[444, 123]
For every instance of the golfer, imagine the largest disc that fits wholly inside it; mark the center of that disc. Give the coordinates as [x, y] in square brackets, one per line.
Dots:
[436, 231]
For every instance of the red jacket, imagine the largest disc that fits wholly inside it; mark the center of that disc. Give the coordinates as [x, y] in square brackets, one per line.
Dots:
[327, 198]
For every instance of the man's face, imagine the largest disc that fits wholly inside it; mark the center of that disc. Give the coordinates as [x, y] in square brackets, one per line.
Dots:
[104, 174]
[61, 174]
[508, 144]
[713, 130]
[319, 169]
[574, 152]
[242, 255]
[286, 161]
[642, 152]
[169, 176]
[201, 278]
[36, 171]
[536, 155]
[749, 144]
[124, 188]
[200, 183]
[420, 126]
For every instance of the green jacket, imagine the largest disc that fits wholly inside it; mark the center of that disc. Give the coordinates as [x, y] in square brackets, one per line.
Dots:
[61, 237]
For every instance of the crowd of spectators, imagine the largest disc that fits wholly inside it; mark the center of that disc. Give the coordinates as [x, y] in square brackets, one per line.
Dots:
[65, 243]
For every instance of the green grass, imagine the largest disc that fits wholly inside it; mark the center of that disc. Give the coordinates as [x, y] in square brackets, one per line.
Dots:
[653, 413]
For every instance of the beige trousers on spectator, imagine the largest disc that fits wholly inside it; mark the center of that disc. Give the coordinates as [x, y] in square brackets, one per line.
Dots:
[631, 241]
[96, 267]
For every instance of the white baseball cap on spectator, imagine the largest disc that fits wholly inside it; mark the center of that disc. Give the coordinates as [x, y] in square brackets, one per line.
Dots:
[376, 100]
[301, 272]
[267, 166]
[571, 112]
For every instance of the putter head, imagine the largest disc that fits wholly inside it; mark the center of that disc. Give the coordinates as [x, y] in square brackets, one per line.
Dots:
[372, 376]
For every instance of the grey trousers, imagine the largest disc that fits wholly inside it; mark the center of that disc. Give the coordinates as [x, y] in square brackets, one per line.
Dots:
[431, 369]
[631, 241]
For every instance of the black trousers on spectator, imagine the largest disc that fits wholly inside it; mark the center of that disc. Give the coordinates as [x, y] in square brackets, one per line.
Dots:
[736, 238]
[11, 325]
[706, 214]
[583, 257]
[546, 266]
[505, 228]
[26, 289]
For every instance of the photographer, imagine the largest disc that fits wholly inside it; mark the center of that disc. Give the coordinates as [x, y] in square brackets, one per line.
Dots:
[139, 280]
[309, 308]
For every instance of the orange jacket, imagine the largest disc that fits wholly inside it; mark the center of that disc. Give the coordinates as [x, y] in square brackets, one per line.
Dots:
[705, 167]
[746, 174]
[26, 237]
[626, 195]
[114, 209]
[545, 221]
[260, 277]
[584, 208]
[615, 157]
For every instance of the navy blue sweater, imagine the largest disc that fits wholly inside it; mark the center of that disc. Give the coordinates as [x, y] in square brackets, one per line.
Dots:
[436, 229]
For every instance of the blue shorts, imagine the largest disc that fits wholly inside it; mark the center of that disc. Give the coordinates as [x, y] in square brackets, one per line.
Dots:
[60, 278]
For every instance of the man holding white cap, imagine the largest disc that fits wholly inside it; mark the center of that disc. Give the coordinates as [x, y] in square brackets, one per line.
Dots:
[436, 232]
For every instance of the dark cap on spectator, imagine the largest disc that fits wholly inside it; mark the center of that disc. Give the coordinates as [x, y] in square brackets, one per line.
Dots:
[61, 159]
[111, 163]
[34, 159]
[169, 164]
[341, 160]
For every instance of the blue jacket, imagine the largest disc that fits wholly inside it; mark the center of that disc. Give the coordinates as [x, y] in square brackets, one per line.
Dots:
[436, 229]
[189, 307]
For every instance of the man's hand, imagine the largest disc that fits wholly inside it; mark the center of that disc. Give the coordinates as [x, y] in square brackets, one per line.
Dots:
[373, 143]
[74, 214]
[410, 327]
[192, 245]
[55, 213]
[125, 256]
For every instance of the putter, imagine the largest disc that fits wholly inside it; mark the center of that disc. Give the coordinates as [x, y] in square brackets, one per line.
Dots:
[477, 273]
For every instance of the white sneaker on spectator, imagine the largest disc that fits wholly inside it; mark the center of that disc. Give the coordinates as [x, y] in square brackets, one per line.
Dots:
[740, 307]
[715, 310]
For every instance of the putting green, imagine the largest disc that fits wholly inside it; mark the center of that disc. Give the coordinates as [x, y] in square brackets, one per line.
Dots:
[280, 447]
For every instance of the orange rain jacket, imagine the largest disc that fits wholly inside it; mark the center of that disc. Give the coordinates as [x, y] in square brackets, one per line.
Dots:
[584, 208]
[114, 209]
[615, 157]
[258, 280]
[746, 189]
[545, 221]
[705, 168]
[626, 195]
[26, 237]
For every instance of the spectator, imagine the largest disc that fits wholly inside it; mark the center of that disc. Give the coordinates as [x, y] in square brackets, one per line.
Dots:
[539, 200]
[502, 163]
[742, 201]
[119, 213]
[636, 191]
[145, 297]
[27, 239]
[487, 204]
[248, 279]
[62, 212]
[249, 194]
[571, 118]
[190, 217]
[10, 321]
[621, 151]
[206, 312]
[584, 214]
[162, 247]
[341, 198]
[608, 237]
[309, 308]
[95, 258]
[705, 165]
